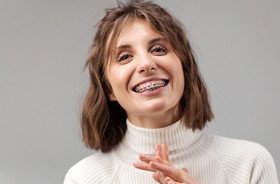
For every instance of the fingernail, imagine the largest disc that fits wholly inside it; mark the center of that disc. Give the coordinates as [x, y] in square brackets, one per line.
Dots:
[157, 146]
[143, 157]
[155, 164]
[158, 159]
[135, 164]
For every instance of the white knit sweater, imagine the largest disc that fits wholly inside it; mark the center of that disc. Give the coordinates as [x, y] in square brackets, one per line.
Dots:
[209, 159]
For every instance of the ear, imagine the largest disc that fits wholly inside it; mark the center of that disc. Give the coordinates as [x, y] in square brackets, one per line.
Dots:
[112, 96]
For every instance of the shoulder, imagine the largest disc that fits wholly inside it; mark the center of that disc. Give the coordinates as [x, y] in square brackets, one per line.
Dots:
[240, 148]
[91, 170]
[244, 159]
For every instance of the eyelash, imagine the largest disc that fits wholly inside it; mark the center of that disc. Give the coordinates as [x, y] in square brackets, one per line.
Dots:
[155, 49]
[123, 57]
[159, 48]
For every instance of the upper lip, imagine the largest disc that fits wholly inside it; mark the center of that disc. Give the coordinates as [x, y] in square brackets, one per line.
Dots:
[148, 80]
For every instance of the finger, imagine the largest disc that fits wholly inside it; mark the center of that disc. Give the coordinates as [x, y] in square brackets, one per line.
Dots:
[159, 177]
[169, 180]
[158, 151]
[186, 170]
[164, 151]
[160, 160]
[173, 174]
[165, 169]
[156, 177]
[143, 166]
[146, 158]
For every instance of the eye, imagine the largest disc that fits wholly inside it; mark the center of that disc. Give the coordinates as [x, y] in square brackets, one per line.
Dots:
[159, 50]
[124, 57]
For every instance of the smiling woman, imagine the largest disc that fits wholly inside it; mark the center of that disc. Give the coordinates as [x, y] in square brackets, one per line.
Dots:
[147, 106]
[147, 80]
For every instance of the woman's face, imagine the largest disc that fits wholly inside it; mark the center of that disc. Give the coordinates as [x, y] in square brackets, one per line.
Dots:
[146, 76]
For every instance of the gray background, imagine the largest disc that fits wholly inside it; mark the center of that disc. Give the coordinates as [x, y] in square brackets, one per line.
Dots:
[43, 46]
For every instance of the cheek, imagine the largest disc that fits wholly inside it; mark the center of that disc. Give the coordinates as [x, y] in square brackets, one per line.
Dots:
[118, 78]
[113, 76]
[179, 75]
[113, 82]
[180, 81]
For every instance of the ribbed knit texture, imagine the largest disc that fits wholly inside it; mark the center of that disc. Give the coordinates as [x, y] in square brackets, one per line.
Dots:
[209, 159]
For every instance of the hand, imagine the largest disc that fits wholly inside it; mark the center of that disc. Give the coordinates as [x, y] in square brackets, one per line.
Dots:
[164, 171]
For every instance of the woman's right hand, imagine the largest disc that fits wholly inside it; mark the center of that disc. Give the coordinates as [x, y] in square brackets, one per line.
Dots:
[164, 171]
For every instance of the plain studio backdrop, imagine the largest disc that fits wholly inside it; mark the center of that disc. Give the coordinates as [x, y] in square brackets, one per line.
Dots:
[43, 47]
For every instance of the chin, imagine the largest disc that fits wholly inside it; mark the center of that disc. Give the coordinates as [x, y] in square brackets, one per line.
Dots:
[160, 107]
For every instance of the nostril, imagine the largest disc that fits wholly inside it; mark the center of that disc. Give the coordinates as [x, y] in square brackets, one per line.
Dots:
[142, 70]
[153, 68]
[147, 67]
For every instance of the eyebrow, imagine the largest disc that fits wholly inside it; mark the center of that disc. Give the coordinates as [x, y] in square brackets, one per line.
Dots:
[155, 40]
[123, 47]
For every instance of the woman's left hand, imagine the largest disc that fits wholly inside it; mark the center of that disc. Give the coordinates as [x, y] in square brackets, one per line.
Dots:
[164, 171]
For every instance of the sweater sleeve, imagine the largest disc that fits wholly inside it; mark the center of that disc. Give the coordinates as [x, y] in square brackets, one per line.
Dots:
[263, 169]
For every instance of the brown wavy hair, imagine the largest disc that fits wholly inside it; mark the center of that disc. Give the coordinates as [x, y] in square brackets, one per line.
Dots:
[103, 121]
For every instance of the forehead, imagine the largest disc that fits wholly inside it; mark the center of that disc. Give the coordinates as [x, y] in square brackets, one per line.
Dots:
[134, 31]
[123, 32]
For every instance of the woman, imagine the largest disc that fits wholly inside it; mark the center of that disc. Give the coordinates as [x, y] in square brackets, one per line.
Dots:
[146, 108]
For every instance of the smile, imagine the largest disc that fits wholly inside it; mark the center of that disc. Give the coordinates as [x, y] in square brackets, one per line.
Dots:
[150, 86]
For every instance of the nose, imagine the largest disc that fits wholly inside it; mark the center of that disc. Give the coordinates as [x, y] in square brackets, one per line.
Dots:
[146, 64]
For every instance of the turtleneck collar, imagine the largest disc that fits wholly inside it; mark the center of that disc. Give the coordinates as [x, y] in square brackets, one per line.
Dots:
[143, 140]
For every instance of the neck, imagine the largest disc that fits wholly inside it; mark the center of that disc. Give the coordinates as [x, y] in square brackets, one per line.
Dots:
[155, 120]
[143, 140]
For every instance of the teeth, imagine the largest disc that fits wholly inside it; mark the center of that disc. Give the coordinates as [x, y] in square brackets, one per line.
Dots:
[150, 86]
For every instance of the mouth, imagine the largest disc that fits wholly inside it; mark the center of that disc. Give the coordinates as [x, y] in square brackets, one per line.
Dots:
[150, 85]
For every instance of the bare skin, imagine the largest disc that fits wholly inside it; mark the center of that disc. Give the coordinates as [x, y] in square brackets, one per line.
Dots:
[164, 171]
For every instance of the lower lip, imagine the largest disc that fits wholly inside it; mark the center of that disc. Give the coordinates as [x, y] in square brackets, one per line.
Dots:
[154, 92]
